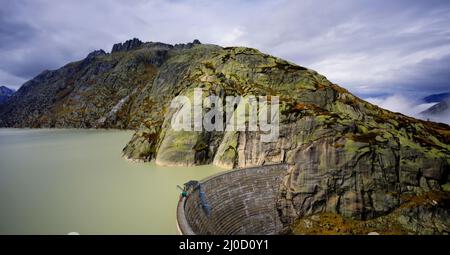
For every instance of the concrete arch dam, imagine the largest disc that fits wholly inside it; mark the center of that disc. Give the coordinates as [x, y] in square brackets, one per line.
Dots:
[239, 201]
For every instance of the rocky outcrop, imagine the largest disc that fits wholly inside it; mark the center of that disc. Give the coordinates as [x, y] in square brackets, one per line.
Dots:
[425, 214]
[126, 46]
[95, 53]
[345, 155]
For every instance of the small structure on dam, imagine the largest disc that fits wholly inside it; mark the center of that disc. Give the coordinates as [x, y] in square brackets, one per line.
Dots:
[240, 201]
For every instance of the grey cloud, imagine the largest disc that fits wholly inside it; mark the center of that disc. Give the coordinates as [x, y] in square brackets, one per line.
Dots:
[370, 47]
[13, 33]
[427, 76]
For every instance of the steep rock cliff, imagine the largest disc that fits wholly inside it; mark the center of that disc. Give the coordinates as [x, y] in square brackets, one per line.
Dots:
[346, 155]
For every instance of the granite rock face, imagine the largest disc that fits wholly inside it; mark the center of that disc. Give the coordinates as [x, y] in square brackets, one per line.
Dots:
[346, 155]
[425, 214]
[126, 46]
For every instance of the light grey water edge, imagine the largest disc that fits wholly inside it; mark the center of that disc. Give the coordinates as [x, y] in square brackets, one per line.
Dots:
[56, 181]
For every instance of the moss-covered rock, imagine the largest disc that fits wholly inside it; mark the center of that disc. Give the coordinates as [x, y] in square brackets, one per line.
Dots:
[346, 155]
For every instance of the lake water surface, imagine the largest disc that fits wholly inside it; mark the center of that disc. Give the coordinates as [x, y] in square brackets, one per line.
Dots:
[61, 181]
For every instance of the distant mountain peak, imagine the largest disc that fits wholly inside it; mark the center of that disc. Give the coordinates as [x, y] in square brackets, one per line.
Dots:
[6, 90]
[5, 94]
[438, 108]
[436, 97]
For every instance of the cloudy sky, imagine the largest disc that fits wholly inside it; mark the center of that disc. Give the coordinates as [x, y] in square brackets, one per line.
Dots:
[371, 47]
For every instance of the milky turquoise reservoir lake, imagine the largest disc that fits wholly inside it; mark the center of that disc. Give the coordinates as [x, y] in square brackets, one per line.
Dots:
[61, 181]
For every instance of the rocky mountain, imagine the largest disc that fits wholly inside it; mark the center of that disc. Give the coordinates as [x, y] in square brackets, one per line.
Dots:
[5, 94]
[438, 108]
[346, 156]
[436, 97]
[439, 112]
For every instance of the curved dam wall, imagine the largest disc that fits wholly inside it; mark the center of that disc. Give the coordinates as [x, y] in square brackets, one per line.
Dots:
[242, 201]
